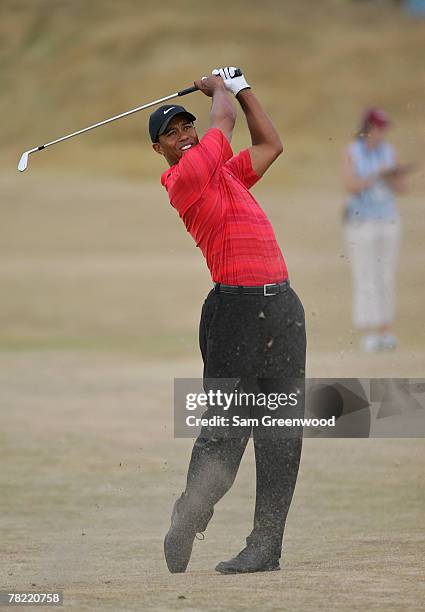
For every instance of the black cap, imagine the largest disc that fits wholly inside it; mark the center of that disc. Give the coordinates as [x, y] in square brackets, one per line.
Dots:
[160, 118]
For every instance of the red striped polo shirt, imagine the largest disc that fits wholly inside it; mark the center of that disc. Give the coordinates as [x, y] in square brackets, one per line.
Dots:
[209, 187]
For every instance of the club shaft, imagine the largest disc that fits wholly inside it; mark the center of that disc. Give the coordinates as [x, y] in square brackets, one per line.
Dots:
[95, 125]
[23, 162]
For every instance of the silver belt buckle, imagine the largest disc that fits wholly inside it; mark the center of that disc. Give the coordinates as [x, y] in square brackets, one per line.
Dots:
[265, 289]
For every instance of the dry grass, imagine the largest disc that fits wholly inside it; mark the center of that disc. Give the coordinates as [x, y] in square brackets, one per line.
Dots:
[64, 65]
[90, 472]
[107, 264]
[101, 291]
[95, 326]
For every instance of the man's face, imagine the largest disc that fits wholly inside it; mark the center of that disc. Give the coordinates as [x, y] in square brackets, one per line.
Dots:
[178, 138]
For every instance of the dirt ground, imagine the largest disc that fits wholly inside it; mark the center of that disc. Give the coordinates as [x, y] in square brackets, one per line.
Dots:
[101, 291]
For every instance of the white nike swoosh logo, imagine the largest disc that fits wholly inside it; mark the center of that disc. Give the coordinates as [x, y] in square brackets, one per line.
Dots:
[168, 110]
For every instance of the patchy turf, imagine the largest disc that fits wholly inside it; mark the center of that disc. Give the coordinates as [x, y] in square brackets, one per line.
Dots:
[91, 469]
[105, 264]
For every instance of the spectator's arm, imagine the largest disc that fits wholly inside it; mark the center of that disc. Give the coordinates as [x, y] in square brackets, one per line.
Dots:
[352, 182]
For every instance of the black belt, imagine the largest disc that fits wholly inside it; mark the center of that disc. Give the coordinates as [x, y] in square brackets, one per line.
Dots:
[266, 290]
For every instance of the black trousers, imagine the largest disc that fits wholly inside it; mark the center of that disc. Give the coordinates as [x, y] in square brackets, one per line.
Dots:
[256, 343]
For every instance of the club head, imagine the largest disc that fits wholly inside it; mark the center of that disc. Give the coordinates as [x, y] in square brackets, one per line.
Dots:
[23, 162]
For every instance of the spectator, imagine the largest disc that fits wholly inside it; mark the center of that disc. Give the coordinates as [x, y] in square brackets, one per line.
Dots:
[372, 176]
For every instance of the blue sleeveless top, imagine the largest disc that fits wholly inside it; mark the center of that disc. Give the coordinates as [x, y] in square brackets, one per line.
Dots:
[378, 201]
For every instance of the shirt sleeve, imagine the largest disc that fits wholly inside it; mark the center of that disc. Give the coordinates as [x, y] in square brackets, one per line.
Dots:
[390, 156]
[240, 166]
[196, 169]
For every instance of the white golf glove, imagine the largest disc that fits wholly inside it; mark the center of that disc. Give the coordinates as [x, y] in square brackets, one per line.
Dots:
[232, 83]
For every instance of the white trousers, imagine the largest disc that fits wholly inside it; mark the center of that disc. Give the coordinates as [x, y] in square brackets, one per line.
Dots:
[373, 252]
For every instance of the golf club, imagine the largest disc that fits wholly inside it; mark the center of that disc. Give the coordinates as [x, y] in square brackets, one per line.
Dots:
[23, 162]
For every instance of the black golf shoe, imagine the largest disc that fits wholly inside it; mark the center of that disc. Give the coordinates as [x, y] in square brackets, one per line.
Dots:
[184, 527]
[250, 559]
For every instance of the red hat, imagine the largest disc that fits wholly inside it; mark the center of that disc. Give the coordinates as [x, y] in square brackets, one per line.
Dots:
[376, 116]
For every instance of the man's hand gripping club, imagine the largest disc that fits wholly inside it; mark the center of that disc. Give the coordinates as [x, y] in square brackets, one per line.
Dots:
[233, 81]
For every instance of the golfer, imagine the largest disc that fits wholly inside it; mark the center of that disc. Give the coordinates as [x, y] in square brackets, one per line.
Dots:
[372, 176]
[252, 326]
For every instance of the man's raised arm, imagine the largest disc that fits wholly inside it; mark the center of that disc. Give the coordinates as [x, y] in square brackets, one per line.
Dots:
[223, 112]
[266, 143]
